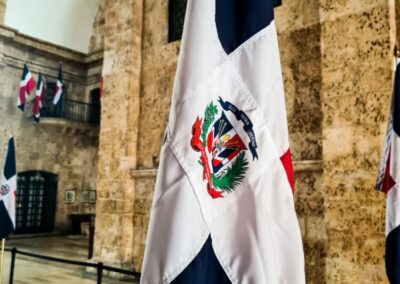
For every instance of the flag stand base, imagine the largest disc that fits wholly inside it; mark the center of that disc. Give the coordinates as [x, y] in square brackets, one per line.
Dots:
[3, 241]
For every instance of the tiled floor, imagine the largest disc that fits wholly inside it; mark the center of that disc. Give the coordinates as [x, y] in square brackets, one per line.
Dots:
[30, 270]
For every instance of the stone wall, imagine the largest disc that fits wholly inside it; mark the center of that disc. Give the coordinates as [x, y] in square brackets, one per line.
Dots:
[299, 33]
[67, 149]
[97, 37]
[3, 4]
[114, 233]
[159, 64]
[355, 93]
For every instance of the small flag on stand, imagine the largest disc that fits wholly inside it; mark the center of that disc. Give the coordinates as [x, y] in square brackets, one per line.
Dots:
[59, 87]
[388, 182]
[37, 104]
[8, 192]
[27, 84]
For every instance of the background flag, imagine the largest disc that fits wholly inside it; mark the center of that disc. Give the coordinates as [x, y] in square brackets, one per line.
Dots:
[8, 191]
[37, 104]
[223, 209]
[59, 87]
[26, 86]
[388, 182]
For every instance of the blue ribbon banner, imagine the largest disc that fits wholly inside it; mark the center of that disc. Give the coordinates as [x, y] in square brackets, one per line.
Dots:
[247, 124]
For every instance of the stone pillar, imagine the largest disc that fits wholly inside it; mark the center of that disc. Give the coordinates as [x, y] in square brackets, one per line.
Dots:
[395, 21]
[3, 4]
[97, 37]
[114, 232]
[356, 88]
[299, 32]
[158, 73]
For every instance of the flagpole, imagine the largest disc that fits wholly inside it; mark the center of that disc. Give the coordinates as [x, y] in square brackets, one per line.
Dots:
[3, 241]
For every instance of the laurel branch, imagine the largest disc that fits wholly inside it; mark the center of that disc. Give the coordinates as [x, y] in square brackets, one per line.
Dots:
[232, 176]
[209, 117]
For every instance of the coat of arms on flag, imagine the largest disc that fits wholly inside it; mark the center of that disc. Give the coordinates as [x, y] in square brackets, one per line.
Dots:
[222, 148]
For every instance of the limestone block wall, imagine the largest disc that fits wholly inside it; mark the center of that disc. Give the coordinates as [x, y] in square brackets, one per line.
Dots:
[65, 150]
[356, 87]
[114, 233]
[97, 37]
[158, 74]
[3, 4]
[299, 32]
[394, 12]
[138, 73]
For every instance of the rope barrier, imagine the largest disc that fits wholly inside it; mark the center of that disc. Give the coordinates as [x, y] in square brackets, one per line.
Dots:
[99, 266]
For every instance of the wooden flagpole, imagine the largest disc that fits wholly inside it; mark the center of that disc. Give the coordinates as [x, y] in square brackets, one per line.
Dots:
[3, 241]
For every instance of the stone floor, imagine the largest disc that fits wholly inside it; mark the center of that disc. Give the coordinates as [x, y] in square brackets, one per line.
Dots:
[30, 270]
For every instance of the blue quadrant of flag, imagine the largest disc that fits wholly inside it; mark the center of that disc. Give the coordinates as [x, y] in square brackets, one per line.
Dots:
[205, 268]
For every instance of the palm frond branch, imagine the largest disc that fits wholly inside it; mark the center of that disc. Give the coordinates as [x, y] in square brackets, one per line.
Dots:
[229, 179]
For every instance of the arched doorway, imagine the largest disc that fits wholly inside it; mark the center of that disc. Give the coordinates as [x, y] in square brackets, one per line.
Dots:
[36, 202]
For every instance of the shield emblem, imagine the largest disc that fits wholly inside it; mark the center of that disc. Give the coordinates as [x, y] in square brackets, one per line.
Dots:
[223, 143]
[221, 148]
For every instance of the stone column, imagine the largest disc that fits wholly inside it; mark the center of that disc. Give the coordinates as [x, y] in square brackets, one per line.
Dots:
[3, 4]
[299, 32]
[114, 232]
[158, 73]
[356, 88]
[395, 21]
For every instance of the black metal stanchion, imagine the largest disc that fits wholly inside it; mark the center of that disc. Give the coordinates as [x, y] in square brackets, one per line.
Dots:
[99, 272]
[99, 266]
[3, 241]
[91, 238]
[12, 267]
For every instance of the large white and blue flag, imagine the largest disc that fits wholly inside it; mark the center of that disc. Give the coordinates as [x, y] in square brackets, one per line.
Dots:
[388, 181]
[8, 191]
[223, 209]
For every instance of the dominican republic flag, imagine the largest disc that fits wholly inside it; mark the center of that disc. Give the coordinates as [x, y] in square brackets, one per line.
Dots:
[8, 192]
[388, 181]
[26, 86]
[37, 104]
[223, 208]
[59, 87]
